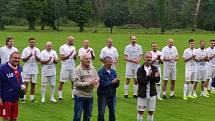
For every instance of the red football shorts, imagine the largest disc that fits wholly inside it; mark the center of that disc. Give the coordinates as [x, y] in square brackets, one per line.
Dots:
[9, 110]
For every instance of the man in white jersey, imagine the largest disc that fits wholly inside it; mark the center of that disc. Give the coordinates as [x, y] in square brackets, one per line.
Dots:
[86, 49]
[68, 56]
[169, 57]
[156, 61]
[210, 72]
[30, 56]
[111, 51]
[6, 50]
[48, 60]
[201, 58]
[190, 69]
[132, 55]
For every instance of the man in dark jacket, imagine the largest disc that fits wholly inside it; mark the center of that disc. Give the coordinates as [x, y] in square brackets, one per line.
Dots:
[107, 90]
[147, 77]
[10, 85]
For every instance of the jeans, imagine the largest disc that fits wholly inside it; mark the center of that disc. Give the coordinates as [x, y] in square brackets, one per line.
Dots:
[111, 103]
[85, 104]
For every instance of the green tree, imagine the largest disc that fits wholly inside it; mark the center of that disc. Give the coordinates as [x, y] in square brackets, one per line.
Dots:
[116, 13]
[80, 12]
[31, 11]
[162, 14]
[49, 14]
[2, 12]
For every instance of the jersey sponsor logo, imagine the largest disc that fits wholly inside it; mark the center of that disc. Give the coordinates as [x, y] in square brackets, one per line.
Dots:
[10, 75]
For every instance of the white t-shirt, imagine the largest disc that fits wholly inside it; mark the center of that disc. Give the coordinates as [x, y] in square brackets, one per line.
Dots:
[48, 69]
[154, 57]
[211, 52]
[84, 50]
[147, 69]
[191, 64]
[170, 53]
[133, 52]
[112, 52]
[68, 64]
[5, 53]
[30, 66]
[201, 65]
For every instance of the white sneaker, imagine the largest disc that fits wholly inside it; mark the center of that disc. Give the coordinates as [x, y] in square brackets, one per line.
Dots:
[53, 100]
[195, 95]
[43, 100]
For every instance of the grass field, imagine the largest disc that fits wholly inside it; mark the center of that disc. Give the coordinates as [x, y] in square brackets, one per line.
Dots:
[200, 109]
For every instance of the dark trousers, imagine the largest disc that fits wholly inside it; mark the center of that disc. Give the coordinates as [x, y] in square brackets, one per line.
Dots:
[85, 104]
[104, 101]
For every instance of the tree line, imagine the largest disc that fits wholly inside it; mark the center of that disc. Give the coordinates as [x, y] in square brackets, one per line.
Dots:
[164, 14]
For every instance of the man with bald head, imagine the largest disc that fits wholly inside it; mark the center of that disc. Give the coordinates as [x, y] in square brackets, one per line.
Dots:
[85, 79]
[147, 77]
[86, 49]
[48, 60]
[132, 55]
[110, 51]
[169, 57]
[68, 57]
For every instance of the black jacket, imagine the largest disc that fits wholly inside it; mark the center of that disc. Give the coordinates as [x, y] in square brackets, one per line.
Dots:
[143, 80]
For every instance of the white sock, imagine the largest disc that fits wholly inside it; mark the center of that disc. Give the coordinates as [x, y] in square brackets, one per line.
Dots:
[60, 94]
[43, 91]
[135, 89]
[52, 92]
[150, 118]
[212, 89]
[209, 84]
[31, 97]
[194, 92]
[164, 93]
[158, 89]
[205, 90]
[139, 117]
[185, 89]
[24, 98]
[202, 93]
[172, 93]
[126, 89]
[190, 89]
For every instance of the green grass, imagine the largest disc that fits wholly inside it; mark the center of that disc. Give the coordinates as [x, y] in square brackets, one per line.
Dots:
[200, 109]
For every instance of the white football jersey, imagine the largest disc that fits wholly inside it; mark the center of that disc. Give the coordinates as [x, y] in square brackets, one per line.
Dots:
[170, 53]
[191, 64]
[5, 53]
[48, 69]
[30, 66]
[154, 57]
[201, 65]
[210, 53]
[68, 64]
[84, 50]
[112, 52]
[133, 52]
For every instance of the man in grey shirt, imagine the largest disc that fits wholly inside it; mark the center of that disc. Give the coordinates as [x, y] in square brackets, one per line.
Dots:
[85, 79]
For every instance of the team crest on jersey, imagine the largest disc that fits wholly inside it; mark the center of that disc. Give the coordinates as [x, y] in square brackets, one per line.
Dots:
[10, 75]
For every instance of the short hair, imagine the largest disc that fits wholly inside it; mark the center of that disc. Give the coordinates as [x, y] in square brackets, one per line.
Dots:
[108, 39]
[154, 43]
[8, 39]
[213, 40]
[132, 36]
[15, 52]
[147, 54]
[106, 58]
[202, 41]
[191, 40]
[84, 55]
[31, 38]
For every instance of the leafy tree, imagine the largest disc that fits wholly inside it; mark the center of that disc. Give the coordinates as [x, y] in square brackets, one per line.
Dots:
[116, 14]
[31, 11]
[80, 12]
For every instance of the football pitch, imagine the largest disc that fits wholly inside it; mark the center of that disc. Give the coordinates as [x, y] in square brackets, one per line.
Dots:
[199, 109]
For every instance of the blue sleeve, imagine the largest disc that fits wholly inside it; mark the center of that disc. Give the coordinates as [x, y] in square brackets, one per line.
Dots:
[102, 81]
[0, 82]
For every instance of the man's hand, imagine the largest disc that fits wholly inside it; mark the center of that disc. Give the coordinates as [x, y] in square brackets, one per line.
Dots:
[116, 80]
